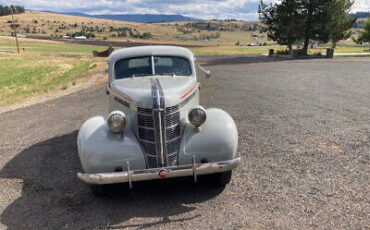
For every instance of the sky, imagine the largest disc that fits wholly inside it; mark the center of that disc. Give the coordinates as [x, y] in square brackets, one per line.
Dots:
[208, 9]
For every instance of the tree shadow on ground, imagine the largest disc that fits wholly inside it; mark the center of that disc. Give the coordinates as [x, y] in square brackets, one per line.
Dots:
[53, 197]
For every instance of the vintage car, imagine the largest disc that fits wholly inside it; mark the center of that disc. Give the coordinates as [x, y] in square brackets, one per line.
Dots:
[156, 128]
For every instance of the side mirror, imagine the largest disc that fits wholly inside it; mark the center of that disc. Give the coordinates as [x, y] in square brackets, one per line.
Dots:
[207, 73]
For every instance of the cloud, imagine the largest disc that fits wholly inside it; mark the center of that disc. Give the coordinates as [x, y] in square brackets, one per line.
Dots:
[361, 5]
[207, 9]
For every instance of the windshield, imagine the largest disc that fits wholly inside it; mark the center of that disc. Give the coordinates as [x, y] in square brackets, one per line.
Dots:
[142, 66]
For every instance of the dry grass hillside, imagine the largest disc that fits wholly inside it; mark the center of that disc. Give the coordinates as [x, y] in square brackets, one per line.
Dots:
[58, 25]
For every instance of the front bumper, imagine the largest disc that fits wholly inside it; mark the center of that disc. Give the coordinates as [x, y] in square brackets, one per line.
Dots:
[160, 173]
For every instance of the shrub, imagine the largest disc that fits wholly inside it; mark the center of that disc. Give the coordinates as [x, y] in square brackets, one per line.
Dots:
[301, 52]
[317, 54]
[14, 25]
[283, 52]
[146, 35]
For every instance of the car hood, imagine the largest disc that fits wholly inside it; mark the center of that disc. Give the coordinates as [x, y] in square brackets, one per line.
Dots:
[138, 90]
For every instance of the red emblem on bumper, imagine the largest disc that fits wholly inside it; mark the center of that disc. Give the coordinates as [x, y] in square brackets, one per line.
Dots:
[161, 173]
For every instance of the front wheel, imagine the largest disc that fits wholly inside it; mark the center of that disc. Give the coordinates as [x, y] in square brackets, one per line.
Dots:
[221, 179]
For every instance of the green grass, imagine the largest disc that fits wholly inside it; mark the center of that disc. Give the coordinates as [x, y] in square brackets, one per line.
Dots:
[36, 46]
[344, 49]
[25, 76]
[248, 50]
[233, 50]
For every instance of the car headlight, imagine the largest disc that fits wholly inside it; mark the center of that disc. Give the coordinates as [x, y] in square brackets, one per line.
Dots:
[116, 121]
[197, 117]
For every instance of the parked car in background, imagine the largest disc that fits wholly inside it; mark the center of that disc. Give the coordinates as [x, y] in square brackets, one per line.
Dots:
[80, 38]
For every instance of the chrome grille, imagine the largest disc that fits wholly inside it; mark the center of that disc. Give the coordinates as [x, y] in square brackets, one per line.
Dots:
[173, 146]
[171, 135]
[172, 109]
[145, 120]
[172, 132]
[172, 159]
[172, 119]
[149, 148]
[146, 134]
[144, 111]
[152, 161]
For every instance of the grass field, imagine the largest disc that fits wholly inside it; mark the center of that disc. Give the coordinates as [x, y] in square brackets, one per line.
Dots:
[43, 46]
[26, 76]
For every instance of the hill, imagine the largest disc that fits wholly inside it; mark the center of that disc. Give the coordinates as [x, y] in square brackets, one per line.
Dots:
[361, 15]
[216, 32]
[142, 18]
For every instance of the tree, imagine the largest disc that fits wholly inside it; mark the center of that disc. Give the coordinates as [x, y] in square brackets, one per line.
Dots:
[5, 10]
[291, 21]
[341, 21]
[364, 35]
[316, 15]
[283, 21]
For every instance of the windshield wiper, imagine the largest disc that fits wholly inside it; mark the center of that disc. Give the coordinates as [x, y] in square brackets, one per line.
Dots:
[140, 75]
[172, 74]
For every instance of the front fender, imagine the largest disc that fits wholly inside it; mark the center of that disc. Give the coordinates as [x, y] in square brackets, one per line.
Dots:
[102, 151]
[217, 139]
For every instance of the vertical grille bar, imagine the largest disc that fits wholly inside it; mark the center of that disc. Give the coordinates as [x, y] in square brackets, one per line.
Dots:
[159, 130]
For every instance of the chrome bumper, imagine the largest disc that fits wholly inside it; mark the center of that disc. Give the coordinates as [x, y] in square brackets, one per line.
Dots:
[160, 173]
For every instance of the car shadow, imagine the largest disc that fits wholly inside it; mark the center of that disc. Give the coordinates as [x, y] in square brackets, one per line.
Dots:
[52, 197]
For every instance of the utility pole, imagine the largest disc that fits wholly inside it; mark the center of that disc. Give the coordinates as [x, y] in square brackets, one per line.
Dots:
[15, 32]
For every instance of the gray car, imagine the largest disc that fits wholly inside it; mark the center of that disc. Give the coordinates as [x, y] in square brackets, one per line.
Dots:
[156, 128]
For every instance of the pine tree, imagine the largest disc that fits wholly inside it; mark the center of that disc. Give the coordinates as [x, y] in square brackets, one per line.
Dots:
[316, 15]
[283, 22]
[364, 35]
[341, 21]
[295, 20]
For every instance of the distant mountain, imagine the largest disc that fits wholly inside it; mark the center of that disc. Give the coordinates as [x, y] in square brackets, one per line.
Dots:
[361, 14]
[74, 14]
[146, 18]
[142, 18]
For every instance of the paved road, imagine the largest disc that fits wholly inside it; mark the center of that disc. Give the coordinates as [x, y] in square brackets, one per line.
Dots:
[304, 131]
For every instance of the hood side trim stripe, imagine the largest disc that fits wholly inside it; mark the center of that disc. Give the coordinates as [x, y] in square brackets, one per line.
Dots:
[187, 93]
[121, 95]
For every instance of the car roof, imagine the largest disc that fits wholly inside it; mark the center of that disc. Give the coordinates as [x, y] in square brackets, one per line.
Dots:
[141, 51]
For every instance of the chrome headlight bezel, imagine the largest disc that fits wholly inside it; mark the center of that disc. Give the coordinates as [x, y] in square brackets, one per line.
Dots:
[197, 117]
[116, 121]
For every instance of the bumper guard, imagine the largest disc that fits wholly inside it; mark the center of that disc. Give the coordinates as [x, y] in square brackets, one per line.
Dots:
[160, 173]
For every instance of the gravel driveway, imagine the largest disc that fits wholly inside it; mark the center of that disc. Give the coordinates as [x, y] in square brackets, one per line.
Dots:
[304, 133]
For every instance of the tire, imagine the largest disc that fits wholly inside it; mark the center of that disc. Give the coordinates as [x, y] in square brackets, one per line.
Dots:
[221, 179]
